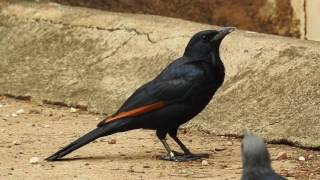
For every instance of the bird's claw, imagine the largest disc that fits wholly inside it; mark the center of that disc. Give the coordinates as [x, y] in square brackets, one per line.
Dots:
[180, 157]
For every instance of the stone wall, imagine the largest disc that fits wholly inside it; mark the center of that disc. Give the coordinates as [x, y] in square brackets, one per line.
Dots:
[282, 17]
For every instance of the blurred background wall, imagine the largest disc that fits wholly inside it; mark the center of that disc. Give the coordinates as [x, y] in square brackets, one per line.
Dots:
[294, 18]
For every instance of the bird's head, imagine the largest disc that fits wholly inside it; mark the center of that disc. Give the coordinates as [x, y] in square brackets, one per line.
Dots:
[204, 43]
[254, 153]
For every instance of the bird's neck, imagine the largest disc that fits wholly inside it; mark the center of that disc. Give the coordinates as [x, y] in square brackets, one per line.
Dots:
[216, 61]
[217, 65]
[194, 55]
[213, 58]
[260, 164]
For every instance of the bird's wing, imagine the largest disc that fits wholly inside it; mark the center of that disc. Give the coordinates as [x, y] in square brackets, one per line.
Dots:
[154, 95]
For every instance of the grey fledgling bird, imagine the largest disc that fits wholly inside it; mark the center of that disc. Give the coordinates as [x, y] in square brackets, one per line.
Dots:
[256, 159]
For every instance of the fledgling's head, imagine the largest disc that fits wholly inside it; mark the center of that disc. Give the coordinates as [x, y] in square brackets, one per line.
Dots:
[203, 43]
[254, 153]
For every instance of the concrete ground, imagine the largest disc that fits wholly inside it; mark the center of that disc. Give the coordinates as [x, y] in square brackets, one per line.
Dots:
[31, 130]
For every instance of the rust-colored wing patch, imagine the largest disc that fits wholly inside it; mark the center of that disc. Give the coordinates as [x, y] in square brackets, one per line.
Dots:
[134, 112]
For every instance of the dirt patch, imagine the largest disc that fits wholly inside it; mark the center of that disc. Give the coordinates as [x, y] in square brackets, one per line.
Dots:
[39, 130]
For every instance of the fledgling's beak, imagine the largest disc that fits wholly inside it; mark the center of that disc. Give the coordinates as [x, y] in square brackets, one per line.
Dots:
[222, 33]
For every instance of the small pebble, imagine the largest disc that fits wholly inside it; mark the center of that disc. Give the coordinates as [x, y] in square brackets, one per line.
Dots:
[183, 130]
[184, 171]
[34, 160]
[112, 141]
[229, 143]
[301, 158]
[20, 111]
[31, 125]
[15, 143]
[1, 105]
[223, 166]
[14, 115]
[282, 155]
[220, 148]
[146, 166]
[204, 162]
[34, 111]
[86, 164]
[46, 126]
[73, 110]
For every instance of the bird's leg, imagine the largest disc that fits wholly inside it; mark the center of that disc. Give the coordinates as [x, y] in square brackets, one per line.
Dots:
[182, 146]
[187, 156]
[171, 155]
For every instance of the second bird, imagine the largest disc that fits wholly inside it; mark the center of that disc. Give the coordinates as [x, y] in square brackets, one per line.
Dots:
[175, 96]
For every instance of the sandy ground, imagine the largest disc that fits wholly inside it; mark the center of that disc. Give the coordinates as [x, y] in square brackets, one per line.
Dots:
[40, 130]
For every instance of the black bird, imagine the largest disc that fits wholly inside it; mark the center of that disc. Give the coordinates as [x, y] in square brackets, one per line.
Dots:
[256, 159]
[176, 95]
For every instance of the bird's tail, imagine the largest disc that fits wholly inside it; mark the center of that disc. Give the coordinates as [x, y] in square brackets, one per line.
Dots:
[105, 130]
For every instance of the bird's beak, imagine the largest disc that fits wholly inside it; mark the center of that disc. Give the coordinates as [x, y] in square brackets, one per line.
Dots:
[222, 33]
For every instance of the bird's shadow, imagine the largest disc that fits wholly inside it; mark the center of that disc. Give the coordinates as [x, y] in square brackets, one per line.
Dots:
[122, 157]
[108, 157]
[83, 158]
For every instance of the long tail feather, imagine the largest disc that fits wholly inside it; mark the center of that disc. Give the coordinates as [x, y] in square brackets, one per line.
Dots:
[105, 130]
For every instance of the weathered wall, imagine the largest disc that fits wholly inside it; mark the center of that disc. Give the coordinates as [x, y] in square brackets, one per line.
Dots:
[268, 16]
[96, 59]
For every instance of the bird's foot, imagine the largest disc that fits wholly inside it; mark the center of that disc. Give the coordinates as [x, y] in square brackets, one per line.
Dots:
[181, 157]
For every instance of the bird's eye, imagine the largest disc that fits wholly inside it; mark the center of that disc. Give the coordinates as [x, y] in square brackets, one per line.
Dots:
[204, 37]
